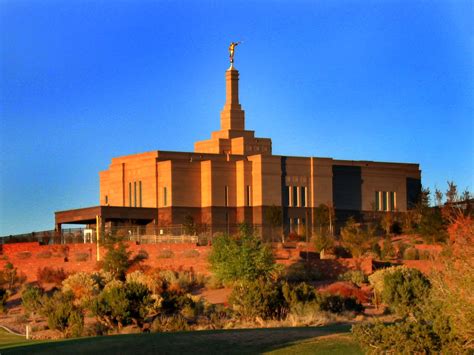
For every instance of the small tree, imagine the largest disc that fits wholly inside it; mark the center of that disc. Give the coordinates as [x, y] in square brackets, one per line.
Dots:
[62, 314]
[357, 239]
[244, 257]
[116, 261]
[31, 299]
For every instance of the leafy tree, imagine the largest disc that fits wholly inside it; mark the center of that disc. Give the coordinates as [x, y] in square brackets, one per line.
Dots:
[357, 239]
[31, 299]
[243, 257]
[438, 197]
[116, 261]
[452, 192]
[62, 314]
[112, 307]
[324, 219]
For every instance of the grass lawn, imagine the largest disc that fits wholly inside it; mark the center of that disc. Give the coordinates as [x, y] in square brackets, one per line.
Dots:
[271, 340]
[8, 339]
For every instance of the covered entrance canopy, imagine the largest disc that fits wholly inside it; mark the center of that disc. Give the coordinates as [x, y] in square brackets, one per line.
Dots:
[88, 215]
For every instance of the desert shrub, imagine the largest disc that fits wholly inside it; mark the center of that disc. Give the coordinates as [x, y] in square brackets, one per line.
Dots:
[340, 304]
[258, 298]
[102, 278]
[300, 293]
[244, 257]
[172, 323]
[387, 251]
[31, 299]
[139, 301]
[213, 283]
[191, 253]
[121, 303]
[182, 280]
[82, 285]
[116, 261]
[377, 278]
[51, 275]
[323, 241]
[4, 294]
[357, 239]
[404, 290]
[165, 254]
[301, 272]
[10, 278]
[62, 314]
[354, 276]
[401, 247]
[111, 307]
[140, 257]
[424, 255]
[411, 254]
[23, 255]
[81, 256]
[45, 254]
[405, 337]
[432, 227]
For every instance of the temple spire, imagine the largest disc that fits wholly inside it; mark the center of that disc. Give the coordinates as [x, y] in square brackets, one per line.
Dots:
[232, 116]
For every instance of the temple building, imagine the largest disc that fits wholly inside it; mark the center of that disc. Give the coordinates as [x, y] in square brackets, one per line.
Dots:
[233, 177]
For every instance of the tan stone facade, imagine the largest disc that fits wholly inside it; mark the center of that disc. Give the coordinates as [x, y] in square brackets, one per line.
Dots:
[233, 177]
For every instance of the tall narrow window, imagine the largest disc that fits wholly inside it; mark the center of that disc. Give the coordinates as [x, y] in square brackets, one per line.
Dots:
[130, 194]
[393, 202]
[377, 201]
[384, 200]
[295, 196]
[226, 196]
[135, 194]
[288, 196]
[106, 199]
[249, 196]
[165, 196]
[140, 193]
[303, 196]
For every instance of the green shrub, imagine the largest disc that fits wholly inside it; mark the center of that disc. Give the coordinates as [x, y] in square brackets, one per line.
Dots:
[405, 290]
[31, 299]
[302, 272]
[241, 258]
[323, 241]
[45, 254]
[165, 254]
[62, 314]
[411, 254]
[10, 278]
[357, 239]
[355, 276]
[139, 301]
[116, 261]
[173, 323]
[111, 307]
[405, 337]
[340, 304]
[258, 298]
[387, 251]
[300, 293]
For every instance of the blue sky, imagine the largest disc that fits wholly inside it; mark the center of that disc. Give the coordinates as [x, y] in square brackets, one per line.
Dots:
[84, 81]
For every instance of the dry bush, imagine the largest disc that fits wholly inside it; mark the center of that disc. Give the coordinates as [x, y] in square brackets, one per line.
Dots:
[192, 253]
[82, 285]
[51, 275]
[45, 254]
[347, 289]
[81, 256]
[23, 255]
[165, 254]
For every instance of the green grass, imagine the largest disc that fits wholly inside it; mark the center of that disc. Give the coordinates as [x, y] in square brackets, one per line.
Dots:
[8, 339]
[245, 341]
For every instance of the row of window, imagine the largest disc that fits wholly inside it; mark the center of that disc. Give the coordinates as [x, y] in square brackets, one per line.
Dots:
[297, 196]
[248, 196]
[134, 195]
[385, 200]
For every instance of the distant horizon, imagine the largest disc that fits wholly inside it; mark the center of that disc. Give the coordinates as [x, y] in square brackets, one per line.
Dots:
[83, 82]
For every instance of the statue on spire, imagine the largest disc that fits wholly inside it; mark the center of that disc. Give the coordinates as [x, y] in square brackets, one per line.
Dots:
[231, 51]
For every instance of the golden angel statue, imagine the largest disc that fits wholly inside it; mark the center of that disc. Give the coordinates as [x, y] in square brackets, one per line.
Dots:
[232, 49]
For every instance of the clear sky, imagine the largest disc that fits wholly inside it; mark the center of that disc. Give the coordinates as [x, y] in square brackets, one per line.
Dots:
[84, 81]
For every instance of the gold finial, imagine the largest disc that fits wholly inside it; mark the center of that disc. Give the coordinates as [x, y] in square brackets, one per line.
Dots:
[231, 51]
